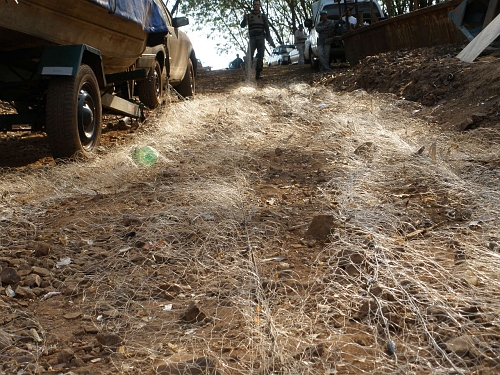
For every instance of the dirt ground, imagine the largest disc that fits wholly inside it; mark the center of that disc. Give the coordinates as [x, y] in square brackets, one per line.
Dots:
[306, 223]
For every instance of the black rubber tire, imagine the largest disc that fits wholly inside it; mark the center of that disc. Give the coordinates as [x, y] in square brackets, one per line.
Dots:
[315, 64]
[187, 87]
[313, 60]
[150, 90]
[74, 114]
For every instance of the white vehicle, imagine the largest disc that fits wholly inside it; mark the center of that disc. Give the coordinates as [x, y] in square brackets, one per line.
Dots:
[335, 10]
[294, 56]
[280, 55]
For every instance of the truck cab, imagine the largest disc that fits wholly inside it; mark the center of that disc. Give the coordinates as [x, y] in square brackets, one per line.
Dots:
[366, 12]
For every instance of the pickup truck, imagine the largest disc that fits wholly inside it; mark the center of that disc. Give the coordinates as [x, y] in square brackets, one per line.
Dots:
[64, 63]
[369, 10]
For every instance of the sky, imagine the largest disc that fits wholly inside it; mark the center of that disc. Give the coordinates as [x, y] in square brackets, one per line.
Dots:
[206, 49]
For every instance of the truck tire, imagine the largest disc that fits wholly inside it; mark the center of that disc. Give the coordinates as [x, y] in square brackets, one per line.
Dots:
[187, 86]
[150, 90]
[314, 61]
[315, 64]
[74, 114]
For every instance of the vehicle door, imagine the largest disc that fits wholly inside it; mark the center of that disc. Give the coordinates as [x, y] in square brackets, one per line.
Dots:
[178, 53]
[178, 49]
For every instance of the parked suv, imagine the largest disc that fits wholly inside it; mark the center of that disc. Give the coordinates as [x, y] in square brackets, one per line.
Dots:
[280, 55]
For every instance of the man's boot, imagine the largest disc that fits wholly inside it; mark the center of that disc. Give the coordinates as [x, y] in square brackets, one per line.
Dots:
[257, 74]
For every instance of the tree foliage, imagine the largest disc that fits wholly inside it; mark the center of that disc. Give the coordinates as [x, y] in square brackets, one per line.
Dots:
[221, 20]
[397, 7]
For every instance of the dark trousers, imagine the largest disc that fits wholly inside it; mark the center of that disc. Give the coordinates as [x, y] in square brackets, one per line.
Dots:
[257, 43]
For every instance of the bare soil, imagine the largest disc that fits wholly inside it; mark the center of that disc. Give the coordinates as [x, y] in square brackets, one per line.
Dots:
[301, 224]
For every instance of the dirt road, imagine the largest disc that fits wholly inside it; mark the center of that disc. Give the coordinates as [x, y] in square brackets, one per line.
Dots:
[304, 224]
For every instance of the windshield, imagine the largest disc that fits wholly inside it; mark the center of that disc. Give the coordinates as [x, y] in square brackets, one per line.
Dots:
[285, 48]
[333, 10]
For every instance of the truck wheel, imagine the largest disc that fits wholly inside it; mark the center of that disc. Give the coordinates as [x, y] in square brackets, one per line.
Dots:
[151, 89]
[315, 63]
[187, 86]
[74, 114]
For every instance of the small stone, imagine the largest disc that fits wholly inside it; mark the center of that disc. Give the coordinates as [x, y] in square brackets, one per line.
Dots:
[352, 270]
[77, 362]
[365, 148]
[320, 228]
[193, 314]
[65, 356]
[460, 345]
[9, 276]
[73, 315]
[71, 287]
[109, 339]
[42, 249]
[24, 270]
[357, 257]
[198, 366]
[368, 307]
[91, 330]
[22, 292]
[32, 281]
[283, 266]
[41, 271]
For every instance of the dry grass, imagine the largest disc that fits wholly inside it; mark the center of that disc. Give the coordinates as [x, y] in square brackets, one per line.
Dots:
[411, 264]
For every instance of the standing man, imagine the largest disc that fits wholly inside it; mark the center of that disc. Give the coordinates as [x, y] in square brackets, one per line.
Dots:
[300, 42]
[323, 28]
[258, 33]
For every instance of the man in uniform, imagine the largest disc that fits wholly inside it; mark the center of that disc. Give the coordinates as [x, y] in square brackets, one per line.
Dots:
[258, 33]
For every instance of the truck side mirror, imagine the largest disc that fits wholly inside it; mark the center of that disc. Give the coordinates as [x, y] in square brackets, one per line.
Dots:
[180, 21]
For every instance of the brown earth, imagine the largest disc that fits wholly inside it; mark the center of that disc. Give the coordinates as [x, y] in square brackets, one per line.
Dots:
[305, 223]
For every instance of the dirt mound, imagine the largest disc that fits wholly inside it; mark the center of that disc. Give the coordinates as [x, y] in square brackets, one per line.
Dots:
[454, 95]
